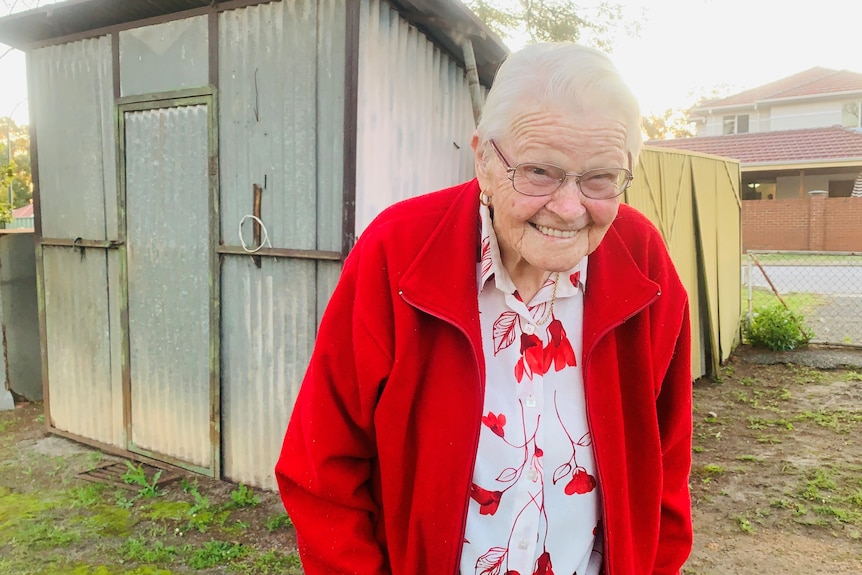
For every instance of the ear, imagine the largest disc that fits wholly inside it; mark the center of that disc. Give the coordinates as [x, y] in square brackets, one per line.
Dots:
[481, 162]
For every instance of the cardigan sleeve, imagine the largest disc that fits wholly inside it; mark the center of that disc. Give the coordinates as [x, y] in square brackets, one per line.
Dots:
[324, 472]
[674, 405]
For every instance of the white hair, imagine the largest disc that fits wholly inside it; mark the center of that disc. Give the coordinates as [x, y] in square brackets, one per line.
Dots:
[576, 79]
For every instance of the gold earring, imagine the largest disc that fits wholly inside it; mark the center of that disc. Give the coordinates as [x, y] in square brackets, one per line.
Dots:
[484, 199]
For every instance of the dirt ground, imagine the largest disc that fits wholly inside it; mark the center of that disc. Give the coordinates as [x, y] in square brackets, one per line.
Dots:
[776, 485]
[777, 465]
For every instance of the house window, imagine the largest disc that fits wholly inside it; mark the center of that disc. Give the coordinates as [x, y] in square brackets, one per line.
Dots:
[851, 116]
[736, 124]
[840, 188]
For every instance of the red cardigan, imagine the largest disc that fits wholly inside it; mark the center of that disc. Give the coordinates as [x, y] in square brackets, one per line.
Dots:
[372, 491]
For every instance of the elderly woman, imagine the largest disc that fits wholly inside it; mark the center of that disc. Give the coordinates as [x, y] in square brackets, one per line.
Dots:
[501, 383]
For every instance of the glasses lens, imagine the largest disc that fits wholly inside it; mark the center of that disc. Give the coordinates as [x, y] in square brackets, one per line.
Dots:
[604, 183]
[538, 179]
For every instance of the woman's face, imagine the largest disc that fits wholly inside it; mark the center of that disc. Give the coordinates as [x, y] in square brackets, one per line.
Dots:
[551, 233]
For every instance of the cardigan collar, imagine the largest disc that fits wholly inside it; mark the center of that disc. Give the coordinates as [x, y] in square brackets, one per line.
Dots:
[442, 279]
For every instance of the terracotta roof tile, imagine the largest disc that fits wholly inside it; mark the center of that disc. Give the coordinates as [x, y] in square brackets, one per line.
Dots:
[811, 82]
[810, 145]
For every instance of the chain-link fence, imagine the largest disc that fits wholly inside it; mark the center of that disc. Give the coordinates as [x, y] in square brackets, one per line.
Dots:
[824, 287]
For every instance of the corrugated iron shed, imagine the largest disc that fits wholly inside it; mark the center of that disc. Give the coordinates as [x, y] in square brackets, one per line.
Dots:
[446, 21]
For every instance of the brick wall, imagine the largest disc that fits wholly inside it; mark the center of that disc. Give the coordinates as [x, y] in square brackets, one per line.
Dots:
[816, 223]
[844, 224]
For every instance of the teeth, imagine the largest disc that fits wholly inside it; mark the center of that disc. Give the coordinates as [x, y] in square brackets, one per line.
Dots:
[554, 233]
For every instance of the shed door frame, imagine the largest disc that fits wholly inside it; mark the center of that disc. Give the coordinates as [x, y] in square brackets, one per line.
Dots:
[194, 97]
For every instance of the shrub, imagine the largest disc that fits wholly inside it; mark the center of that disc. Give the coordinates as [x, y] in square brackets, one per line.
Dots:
[777, 328]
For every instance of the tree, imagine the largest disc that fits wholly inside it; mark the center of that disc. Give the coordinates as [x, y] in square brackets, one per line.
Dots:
[672, 123]
[553, 20]
[15, 174]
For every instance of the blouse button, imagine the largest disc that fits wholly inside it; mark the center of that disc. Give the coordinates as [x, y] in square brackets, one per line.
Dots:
[532, 475]
[523, 544]
[529, 329]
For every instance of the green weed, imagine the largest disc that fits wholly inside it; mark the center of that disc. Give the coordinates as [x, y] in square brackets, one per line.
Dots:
[744, 524]
[272, 563]
[819, 480]
[135, 475]
[216, 553]
[141, 551]
[278, 522]
[242, 496]
[753, 458]
[777, 328]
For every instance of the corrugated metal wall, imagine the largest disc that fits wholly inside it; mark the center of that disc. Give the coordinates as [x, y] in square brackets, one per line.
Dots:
[415, 119]
[168, 247]
[691, 198]
[281, 106]
[72, 99]
[77, 178]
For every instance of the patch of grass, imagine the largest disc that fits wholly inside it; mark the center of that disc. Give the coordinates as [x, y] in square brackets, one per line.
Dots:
[805, 374]
[216, 553]
[819, 480]
[752, 458]
[697, 449]
[763, 423]
[769, 439]
[837, 421]
[86, 495]
[840, 514]
[142, 551]
[109, 521]
[44, 535]
[167, 510]
[278, 522]
[272, 563]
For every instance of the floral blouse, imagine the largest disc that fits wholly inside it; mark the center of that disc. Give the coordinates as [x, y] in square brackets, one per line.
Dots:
[535, 505]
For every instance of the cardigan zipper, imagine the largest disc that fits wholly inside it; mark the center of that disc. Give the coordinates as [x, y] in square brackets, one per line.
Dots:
[606, 543]
[457, 566]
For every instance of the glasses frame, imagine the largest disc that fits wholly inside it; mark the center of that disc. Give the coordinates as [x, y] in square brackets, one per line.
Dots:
[510, 171]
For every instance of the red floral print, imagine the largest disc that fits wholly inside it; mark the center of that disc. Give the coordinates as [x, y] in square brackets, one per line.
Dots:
[575, 278]
[487, 260]
[543, 565]
[581, 482]
[559, 348]
[488, 501]
[504, 330]
[491, 562]
[495, 423]
[532, 360]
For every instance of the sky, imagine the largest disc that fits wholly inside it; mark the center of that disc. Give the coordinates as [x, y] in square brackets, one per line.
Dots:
[685, 49]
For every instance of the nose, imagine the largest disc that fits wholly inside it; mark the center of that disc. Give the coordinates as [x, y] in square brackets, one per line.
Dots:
[567, 201]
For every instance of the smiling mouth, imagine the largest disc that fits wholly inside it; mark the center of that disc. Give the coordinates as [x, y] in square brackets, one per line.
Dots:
[555, 233]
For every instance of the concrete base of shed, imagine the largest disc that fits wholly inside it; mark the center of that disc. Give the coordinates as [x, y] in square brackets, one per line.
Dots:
[7, 403]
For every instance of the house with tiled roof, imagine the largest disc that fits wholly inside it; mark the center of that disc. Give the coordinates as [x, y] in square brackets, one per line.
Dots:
[798, 141]
[791, 136]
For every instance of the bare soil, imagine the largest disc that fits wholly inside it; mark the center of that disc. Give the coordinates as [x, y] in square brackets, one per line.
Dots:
[776, 484]
[777, 465]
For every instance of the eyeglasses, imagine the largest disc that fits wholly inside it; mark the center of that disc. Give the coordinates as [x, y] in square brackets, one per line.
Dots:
[536, 179]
